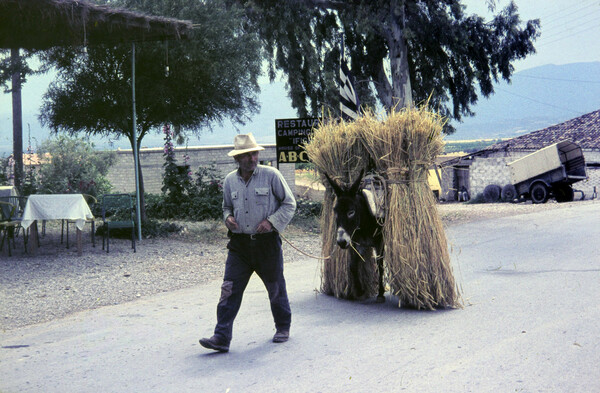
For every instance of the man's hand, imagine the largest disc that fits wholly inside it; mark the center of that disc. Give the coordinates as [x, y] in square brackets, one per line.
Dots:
[264, 226]
[231, 224]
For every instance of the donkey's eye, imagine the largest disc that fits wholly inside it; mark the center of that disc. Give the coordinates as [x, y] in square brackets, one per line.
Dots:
[351, 213]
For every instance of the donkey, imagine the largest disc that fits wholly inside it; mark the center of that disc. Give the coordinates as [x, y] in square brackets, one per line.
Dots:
[356, 226]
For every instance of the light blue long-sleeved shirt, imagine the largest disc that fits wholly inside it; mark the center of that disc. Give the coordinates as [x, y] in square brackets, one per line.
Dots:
[266, 195]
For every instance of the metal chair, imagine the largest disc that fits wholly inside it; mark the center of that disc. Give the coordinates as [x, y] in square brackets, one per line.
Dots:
[8, 227]
[18, 201]
[91, 201]
[117, 213]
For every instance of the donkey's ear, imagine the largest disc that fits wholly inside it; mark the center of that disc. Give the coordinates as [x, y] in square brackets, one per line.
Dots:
[336, 189]
[356, 184]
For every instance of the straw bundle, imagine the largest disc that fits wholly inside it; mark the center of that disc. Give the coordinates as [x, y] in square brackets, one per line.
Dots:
[403, 147]
[336, 149]
[400, 148]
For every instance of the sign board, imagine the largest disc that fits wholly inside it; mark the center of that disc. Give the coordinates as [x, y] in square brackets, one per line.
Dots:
[290, 135]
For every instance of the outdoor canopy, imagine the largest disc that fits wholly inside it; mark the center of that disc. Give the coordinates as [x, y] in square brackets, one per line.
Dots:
[42, 24]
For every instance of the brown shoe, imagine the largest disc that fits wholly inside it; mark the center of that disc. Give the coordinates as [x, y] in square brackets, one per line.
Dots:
[214, 343]
[281, 336]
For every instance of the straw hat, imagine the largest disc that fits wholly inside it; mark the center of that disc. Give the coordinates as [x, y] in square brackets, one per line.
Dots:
[244, 143]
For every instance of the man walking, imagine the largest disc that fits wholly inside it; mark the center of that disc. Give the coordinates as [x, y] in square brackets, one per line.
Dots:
[257, 205]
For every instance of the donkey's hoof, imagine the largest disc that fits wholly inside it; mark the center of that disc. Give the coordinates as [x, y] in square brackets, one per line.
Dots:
[380, 299]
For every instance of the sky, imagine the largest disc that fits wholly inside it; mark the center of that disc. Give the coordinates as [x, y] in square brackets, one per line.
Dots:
[570, 29]
[570, 32]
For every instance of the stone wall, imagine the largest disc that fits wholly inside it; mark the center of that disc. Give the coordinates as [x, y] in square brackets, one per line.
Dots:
[490, 170]
[482, 171]
[122, 178]
[592, 160]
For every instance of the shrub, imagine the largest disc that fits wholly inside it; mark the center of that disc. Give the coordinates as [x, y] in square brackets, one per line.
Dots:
[306, 208]
[30, 182]
[176, 179]
[307, 214]
[308, 166]
[150, 228]
[207, 197]
[3, 171]
[154, 228]
[74, 167]
[201, 200]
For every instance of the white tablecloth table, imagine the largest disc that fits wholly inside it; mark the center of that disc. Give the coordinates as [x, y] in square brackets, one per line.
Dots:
[56, 207]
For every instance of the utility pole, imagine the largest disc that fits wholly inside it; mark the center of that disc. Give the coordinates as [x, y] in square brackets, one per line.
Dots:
[17, 118]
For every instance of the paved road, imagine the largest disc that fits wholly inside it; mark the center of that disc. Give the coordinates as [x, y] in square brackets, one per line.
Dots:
[530, 324]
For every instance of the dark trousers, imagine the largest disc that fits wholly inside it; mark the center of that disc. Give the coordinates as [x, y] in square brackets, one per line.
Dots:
[261, 254]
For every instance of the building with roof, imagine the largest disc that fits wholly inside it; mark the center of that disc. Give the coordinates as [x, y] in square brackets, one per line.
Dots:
[477, 170]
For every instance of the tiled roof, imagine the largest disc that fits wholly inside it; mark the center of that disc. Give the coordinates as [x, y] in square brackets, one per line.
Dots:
[583, 130]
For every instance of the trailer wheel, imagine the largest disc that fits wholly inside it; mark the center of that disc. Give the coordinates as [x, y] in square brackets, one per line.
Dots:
[539, 193]
[509, 193]
[563, 193]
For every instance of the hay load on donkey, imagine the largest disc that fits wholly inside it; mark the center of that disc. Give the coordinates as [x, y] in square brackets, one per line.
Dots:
[336, 149]
[398, 150]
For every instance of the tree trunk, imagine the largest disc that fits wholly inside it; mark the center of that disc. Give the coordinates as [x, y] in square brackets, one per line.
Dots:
[17, 120]
[401, 88]
[384, 89]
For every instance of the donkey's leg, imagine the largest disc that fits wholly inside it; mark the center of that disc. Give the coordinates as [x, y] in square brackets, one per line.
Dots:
[354, 266]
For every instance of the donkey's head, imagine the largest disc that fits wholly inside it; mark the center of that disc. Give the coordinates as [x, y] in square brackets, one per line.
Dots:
[349, 208]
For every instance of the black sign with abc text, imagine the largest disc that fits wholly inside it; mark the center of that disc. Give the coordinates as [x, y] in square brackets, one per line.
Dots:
[290, 135]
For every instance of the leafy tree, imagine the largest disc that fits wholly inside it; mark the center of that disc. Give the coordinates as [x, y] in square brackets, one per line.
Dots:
[10, 66]
[14, 68]
[210, 77]
[72, 165]
[401, 51]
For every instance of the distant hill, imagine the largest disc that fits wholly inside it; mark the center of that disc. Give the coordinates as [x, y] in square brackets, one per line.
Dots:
[536, 98]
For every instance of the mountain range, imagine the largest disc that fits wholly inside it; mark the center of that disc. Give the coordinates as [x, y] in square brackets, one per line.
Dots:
[536, 98]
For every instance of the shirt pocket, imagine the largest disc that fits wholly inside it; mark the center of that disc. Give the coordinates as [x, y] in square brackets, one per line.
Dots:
[235, 198]
[262, 196]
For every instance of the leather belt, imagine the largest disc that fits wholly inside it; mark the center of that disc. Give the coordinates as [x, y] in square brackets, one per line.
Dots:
[253, 236]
